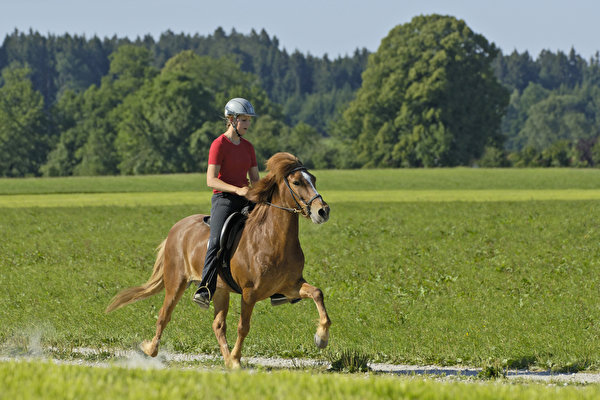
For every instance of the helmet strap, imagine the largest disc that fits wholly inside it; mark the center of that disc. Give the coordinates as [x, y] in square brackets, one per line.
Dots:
[234, 124]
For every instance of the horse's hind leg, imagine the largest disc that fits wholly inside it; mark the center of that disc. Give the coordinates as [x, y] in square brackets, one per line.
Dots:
[172, 297]
[221, 304]
[322, 335]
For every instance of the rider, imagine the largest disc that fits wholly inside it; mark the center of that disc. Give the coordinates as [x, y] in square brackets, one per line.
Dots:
[231, 168]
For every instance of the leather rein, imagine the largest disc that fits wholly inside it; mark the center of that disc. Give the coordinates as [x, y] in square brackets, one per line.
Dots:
[296, 196]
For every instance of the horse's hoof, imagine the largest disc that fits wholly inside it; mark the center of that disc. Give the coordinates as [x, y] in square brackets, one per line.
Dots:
[148, 349]
[320, 342]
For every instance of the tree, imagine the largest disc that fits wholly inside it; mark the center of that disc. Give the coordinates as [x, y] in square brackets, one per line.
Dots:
[569, 117]
[79, 63]
[67, 114]
[266, 135]
[130, 67]
[523, 158]
[83, 80]
[24, 128]
[35, 51]
[493, 157]
[559, 69]
[518, 112]
[591, 75]
[558, 154]
[154, 134]
[516, 71]
[89, 120]
[302, 141]
[595, 154]
[318, 109]
[429, 97]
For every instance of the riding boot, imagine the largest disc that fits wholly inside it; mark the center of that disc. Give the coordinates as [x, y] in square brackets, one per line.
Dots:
[206, 288]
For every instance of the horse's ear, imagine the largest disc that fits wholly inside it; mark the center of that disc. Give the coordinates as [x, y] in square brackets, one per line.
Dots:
[262, 191]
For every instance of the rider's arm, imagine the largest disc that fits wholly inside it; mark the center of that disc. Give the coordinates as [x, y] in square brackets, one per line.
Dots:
[253, 175]
[214, 182]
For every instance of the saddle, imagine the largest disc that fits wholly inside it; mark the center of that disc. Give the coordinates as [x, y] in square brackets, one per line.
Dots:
[228, 241]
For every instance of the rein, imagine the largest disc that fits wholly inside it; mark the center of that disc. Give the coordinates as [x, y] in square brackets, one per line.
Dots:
[295, 196]
[292, 210]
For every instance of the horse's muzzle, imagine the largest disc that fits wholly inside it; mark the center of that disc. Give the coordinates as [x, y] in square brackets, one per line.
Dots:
[320, 213]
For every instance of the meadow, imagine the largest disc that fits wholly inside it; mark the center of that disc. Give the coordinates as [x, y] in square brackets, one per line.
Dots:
[50, 381]
[446, 267]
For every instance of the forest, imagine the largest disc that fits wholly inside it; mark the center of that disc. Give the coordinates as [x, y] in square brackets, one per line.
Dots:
[435, 94]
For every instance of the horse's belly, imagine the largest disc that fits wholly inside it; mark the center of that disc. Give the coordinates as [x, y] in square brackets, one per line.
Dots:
[190, 237]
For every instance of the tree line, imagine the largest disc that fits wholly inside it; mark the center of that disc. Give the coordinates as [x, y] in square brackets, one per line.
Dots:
[553, 115]
[434, 94]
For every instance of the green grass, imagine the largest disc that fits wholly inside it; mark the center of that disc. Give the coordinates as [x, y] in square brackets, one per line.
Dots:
[348, 180]
[463, 276]
[49, 381]
[336, 196]
[459, 179]
[104, 184]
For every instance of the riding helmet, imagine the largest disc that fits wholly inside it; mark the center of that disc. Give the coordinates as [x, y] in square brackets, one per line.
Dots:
[239, 106]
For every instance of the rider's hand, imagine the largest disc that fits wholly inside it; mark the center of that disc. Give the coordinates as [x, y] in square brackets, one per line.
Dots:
[243, 191]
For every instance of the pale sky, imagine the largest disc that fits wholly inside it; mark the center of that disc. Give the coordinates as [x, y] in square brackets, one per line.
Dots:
[315, 27]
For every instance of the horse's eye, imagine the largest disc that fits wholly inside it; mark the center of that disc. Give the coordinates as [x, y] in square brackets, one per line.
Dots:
[296, 183]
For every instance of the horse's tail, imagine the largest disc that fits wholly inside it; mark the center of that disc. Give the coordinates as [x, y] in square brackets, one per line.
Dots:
[154, 285]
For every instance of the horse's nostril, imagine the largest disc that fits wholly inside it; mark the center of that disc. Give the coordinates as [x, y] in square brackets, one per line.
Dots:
[323, 213]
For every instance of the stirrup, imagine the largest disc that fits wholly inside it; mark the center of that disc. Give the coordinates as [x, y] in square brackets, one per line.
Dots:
[200, 297]
[278, 299]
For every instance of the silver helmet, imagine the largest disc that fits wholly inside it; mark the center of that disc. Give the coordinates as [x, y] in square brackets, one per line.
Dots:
[239, 106]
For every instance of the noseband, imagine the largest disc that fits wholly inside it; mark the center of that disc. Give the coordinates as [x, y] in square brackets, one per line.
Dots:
[296, 197]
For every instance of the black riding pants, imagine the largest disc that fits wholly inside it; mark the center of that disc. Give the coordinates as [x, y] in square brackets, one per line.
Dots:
[223, 205]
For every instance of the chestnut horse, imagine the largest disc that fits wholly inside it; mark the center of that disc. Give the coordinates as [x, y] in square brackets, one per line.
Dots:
[268, 258]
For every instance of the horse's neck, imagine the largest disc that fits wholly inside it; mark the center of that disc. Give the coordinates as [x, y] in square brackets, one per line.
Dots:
[282, 223]
[288, 224]
[277, 225]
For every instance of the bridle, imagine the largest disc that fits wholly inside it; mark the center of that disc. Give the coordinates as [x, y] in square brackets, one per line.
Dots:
[300, 210]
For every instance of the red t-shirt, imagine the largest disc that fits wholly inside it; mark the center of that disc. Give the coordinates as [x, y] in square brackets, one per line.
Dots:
[235, 160]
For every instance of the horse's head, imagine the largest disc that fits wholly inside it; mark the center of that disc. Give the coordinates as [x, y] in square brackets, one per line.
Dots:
[303, 191]
[290, 186]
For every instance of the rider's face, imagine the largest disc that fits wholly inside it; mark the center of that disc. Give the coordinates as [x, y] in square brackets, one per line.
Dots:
[243, 123]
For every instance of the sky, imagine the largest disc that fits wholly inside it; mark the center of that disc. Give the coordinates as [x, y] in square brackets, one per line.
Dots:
[335, 28]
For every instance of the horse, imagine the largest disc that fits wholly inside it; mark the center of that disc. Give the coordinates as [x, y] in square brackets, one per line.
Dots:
[268, 258]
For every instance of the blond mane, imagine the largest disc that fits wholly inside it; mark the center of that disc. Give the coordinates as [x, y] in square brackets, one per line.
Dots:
[279, 166]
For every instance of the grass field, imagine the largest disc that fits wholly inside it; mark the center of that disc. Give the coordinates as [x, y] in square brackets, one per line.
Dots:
[450, 267]
[348, 180]
[49, 381]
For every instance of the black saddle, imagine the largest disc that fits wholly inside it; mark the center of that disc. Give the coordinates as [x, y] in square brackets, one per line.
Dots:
[228, 241]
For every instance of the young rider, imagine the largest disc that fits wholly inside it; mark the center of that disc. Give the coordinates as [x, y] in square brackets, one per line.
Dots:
[231, 168]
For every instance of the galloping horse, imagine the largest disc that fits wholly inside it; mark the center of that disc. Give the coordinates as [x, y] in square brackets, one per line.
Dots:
[268, 258]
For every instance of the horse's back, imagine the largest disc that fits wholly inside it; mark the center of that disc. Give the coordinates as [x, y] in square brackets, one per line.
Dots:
[185, 248]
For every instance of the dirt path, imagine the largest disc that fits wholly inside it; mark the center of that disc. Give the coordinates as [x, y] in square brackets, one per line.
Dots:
[134, 359]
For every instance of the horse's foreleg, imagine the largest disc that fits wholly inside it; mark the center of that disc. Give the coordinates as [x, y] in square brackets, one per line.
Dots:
[172, 297]
[221, 304]
[243, 329]
[322, 335]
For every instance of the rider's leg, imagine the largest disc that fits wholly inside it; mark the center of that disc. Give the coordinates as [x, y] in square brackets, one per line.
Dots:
[223, 205]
